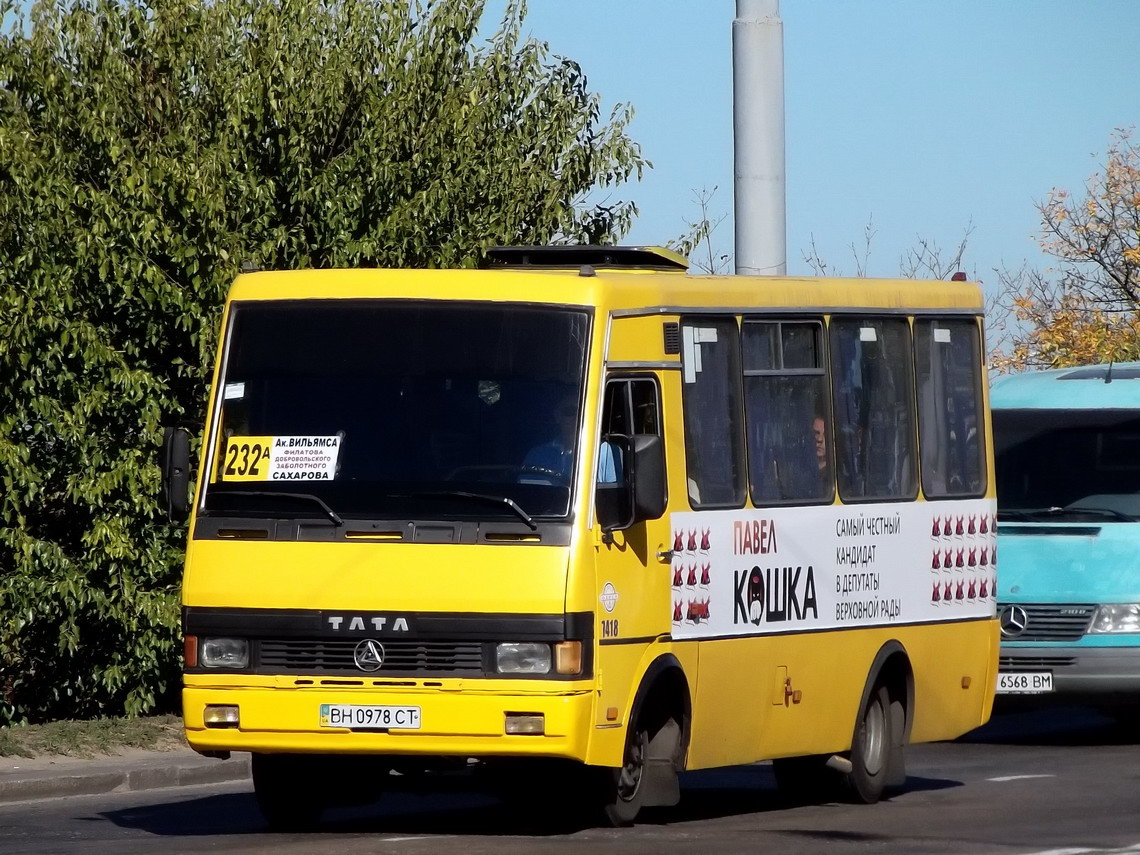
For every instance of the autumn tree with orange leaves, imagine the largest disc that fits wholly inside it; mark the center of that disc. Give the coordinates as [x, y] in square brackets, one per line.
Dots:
[1088, 310]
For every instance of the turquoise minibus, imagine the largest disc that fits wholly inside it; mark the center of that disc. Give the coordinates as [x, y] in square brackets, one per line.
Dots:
[1067, 443]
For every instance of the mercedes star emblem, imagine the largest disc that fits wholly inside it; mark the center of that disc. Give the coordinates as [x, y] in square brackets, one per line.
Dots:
[1013, 620]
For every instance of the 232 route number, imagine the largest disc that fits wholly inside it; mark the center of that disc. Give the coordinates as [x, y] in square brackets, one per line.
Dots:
[245, 459]
[610, 628]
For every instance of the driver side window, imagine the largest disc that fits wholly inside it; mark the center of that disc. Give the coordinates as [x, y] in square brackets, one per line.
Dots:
[632, 406]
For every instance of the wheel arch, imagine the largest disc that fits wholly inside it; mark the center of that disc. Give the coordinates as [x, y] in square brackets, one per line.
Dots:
[892, 668]
[664, 688]
[892, 665]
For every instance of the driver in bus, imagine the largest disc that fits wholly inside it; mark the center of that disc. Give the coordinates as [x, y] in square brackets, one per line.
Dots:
[550, 461]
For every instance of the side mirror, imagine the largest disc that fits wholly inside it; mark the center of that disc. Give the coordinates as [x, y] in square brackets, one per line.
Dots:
[175, 465]
[635, 490]
[649, 490]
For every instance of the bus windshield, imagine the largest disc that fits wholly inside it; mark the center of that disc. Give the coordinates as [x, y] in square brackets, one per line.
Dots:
[382, 409]
[1078, 464]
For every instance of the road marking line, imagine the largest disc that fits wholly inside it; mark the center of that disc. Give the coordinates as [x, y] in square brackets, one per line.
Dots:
[1005, 778]
[1135, 847]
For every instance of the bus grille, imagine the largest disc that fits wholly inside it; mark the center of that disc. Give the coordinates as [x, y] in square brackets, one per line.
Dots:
[1050, 622]
[308, 656]
[1034, 663]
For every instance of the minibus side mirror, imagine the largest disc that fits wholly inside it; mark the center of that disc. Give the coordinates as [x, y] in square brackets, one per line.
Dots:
[631, 481]
[175, 464]
[649, 495]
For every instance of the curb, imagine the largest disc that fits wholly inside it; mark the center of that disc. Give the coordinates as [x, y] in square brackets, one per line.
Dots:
[102, 777]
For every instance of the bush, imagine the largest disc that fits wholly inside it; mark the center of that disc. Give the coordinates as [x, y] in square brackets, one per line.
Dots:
[149, 149]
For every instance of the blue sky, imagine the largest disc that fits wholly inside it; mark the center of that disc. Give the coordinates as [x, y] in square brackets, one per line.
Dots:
[921, 116]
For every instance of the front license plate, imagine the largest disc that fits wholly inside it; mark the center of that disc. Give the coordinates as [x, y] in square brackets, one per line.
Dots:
[1024, 682]
[361, 717]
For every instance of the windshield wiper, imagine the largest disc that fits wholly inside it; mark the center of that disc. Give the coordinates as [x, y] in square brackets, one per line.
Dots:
[1030, 514]
[1106, 512]
[1019, 516]
[482, 497]
[305, 497]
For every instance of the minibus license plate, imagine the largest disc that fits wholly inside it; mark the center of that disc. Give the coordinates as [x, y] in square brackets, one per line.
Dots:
[1024, 682]
[360, 717]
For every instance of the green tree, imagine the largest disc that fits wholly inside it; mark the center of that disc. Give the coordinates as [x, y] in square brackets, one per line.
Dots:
[146, 150]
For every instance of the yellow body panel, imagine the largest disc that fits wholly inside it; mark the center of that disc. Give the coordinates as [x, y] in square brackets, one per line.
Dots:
[457, 721]
[608, 290]
[376, 576]
[744, 714]
[740, 711]
[631, 339]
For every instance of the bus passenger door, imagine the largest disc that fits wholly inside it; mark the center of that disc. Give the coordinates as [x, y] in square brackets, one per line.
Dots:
[633, 588]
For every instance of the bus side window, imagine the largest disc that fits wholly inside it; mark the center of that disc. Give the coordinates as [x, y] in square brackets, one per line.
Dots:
[873, 397]
[615, 420]
[711, 403]
[950, 421]
[631, 407]
[786, 412]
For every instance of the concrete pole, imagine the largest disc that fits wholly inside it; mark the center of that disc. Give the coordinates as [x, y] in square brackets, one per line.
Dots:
[758, 138]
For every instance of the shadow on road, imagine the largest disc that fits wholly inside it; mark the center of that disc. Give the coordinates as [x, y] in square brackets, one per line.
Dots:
[461, 810]
[1058, 726]
[750, 790]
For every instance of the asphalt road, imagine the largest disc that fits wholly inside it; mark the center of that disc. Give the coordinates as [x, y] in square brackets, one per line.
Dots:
[1065, 781]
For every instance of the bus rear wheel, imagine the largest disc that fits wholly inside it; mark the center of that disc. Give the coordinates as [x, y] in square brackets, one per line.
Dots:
[872, 748]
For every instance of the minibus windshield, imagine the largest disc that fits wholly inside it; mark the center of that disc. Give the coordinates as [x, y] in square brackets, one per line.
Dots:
[1068, 465]
[384, 409]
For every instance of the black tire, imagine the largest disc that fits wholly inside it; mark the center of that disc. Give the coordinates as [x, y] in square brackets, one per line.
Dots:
[623, 788]
[287, 796]
[872, 748]
[896, 773]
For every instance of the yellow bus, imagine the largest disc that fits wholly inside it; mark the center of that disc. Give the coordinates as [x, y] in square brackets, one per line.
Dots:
[581, 521]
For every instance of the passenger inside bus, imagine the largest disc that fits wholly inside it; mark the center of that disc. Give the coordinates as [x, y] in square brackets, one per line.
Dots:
[822, 458]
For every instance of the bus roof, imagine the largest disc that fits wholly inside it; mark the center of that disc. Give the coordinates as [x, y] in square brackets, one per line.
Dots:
[626, 290]
[1108, 386]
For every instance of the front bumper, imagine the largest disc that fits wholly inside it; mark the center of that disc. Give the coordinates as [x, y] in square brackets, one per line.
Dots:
[470, 723]
[1079, 672]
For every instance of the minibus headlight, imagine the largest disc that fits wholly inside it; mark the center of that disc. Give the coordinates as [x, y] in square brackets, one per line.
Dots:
[526, 657]
[223, 653]
[1116, 617]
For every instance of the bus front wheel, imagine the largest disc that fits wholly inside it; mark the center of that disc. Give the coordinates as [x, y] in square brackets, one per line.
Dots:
[624, 786]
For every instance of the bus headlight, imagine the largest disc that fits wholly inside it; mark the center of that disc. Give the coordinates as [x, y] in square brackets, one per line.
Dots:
[1116, 617]
[224, 653]
[525, 657]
